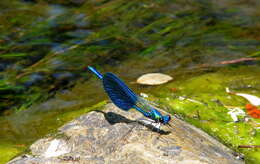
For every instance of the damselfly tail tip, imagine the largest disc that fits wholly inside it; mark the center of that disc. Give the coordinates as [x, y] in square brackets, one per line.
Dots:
[98, 74]
[89, 67]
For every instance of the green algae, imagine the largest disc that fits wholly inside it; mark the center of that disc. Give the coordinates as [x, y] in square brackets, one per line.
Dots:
[13, 55]
[7, 151]
[203, 102]
[255, 54]
[71, 115]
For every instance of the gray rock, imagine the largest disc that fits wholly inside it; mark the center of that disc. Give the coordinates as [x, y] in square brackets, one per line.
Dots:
[113, 136]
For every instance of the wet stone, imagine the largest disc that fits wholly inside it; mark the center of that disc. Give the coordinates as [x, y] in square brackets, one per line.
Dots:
[94, 138]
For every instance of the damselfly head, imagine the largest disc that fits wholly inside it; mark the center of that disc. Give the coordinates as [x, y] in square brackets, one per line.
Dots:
[166, 119]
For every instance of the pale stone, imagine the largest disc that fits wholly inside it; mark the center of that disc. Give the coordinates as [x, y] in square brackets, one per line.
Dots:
[154, 79]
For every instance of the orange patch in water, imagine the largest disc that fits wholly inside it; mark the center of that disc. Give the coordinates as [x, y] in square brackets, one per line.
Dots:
[174, 89]
[253, 111]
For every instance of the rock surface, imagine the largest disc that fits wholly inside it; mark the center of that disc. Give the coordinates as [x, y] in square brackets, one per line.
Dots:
[113, 136]
[153, 79]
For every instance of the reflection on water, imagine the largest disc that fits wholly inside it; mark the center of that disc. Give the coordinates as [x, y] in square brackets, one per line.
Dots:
[56, 10]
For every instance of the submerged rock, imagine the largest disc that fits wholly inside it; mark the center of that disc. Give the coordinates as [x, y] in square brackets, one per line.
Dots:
[154, 79]
[113, 136]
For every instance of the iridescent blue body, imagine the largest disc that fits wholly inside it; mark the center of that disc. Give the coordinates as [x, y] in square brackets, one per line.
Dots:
[124, 98]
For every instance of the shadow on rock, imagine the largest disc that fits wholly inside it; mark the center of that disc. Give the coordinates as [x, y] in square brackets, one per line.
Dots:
[114, 118]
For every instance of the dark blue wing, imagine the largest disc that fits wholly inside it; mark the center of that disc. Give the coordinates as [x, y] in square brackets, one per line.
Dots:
[119, 93]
